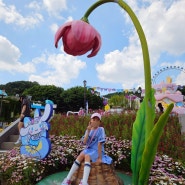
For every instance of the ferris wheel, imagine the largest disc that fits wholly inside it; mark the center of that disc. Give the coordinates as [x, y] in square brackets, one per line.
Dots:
[156, 75]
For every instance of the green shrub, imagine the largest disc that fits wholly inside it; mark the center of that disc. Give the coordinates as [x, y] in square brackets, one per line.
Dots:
[172, 142]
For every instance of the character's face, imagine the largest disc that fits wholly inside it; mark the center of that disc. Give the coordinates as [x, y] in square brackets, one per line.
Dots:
[34, 129]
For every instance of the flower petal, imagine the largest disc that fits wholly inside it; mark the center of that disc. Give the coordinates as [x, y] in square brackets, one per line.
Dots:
[96, 47]
[61, 32]
[83, 31]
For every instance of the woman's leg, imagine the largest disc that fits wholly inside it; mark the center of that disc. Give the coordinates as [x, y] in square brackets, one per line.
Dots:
[75, 165]
[87, 169]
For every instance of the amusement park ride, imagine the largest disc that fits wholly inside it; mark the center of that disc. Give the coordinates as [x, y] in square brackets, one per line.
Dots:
[167, 92]
[168, 68]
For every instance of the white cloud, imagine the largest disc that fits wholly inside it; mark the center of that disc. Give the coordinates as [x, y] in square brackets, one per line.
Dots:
[164, 28]
[35, 5]
[54, 28]
[54, 7]
[61, 69]
[180, 78]
[69, 19]
[124, 67]
[9, 58]
[10, 15]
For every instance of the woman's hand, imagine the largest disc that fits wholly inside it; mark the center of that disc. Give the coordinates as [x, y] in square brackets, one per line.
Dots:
[87, 133]
[21, 116]
[99, 160]
[89, 127]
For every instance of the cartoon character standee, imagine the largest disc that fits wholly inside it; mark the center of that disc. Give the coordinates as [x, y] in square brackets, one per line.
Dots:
[34, 134]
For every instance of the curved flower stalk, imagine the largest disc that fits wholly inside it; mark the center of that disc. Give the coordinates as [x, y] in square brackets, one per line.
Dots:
[145, 135]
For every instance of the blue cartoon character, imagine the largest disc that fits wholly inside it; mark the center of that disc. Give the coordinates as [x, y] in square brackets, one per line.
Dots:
[35, 136]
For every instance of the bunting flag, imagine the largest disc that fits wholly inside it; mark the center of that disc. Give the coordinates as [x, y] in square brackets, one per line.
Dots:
[94, 90]
[104, 89]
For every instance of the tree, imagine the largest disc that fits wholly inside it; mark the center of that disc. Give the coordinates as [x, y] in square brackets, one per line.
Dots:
[44, 92]
[94, 101]
[10, 109]
[118, 101]
[17, 87]
[73, 99]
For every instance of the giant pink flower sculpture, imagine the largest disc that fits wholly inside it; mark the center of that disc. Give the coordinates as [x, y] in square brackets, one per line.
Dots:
[78, 38]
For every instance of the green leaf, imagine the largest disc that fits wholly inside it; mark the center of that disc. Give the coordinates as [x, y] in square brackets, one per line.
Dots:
[140, 127]
[138, 142]
[151, 147]
[150, 114]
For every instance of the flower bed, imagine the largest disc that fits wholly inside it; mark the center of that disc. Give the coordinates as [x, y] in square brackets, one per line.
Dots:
[16, 169]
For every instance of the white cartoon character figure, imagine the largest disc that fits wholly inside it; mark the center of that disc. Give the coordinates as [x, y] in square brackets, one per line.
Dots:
[34, 134]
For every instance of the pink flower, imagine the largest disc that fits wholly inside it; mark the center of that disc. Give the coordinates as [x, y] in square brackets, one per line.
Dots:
[78, 38]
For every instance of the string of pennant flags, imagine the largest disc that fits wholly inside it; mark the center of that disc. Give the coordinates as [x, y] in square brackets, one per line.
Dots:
[101, 89]
[105, 89]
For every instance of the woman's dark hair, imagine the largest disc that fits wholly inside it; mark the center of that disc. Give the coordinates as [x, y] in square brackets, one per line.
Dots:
[22, 96]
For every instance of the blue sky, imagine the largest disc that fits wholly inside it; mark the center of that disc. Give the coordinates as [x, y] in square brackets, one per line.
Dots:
[27, 51]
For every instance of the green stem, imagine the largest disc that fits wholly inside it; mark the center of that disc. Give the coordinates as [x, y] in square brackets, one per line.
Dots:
[95, 5]
[147, 71]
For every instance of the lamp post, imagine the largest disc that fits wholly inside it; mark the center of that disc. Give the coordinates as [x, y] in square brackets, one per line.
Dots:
[85, 83]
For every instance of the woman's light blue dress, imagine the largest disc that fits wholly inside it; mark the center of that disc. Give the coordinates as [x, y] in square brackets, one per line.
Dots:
[96, 136]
